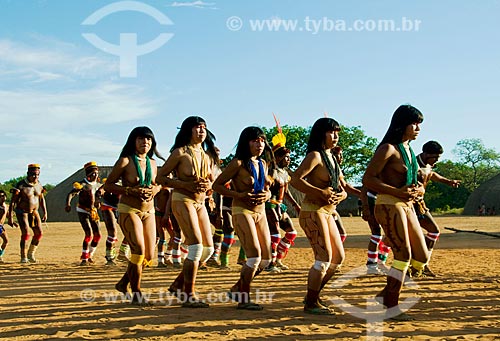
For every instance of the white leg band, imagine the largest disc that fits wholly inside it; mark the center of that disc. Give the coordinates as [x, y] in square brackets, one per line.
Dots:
[207, 252]
[253, 262]
[321, 266]
[194, 252]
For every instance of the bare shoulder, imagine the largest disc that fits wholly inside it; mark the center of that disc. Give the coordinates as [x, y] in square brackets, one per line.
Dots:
[235, 163]
[122, 162]
[385, 151]
[312, 158]
[177, 152]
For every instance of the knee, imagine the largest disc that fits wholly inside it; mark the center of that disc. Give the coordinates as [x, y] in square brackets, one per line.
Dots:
[321, 266]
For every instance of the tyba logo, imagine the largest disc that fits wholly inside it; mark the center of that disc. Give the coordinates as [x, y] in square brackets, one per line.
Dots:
[128, 50]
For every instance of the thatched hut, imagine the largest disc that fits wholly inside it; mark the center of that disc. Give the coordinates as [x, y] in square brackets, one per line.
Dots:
[56, 198]
[488, 194]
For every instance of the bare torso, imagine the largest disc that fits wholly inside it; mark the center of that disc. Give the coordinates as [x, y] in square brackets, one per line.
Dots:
[130, 178]
[29, 196]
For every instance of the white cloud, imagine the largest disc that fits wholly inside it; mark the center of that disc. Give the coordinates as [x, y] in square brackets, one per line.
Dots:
[58, 108]
[196, 4]
[61, 129]
[105, 103]
[35, 63]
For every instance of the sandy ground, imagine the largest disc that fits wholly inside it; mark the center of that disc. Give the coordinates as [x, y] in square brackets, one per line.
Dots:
[57, 299]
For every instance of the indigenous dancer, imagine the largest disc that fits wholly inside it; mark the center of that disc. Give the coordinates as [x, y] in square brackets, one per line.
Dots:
[108, 207]
[392, 173]
[87, 210]
[277, 216]
[192, 159]
[3, 215]
[318, 178]
[136, 169]
[249, 190]
[27, 197]
[431, 152]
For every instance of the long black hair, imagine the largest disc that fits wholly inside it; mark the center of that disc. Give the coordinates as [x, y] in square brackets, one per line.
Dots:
[317, 136]
[402, 117]
[243, 148]
[184, 135]
[129, 148]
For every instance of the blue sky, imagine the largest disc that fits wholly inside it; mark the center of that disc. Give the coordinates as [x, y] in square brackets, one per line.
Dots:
[63, 101]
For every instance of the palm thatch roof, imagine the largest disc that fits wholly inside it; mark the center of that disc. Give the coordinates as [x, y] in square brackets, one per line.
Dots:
[488, 194]
[56, 198]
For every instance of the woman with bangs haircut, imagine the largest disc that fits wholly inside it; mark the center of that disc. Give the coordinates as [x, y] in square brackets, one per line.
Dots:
[191, 161]
[318, 178]
[392, 174]
[136, 169]
[249, 190]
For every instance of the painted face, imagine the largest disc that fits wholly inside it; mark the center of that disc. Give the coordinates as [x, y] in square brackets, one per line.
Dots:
[199, 133]
[93, 176]
[257, 146]
[411, 131]
[2, 198]
[331, 139]
[33, 175]
[143, 144]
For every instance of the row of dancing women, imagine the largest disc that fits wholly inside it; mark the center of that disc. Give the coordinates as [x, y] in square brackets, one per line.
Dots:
[192, 172]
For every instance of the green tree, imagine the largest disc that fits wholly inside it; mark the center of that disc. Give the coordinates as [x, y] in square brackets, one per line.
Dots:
[438, 195]
[476, 164]
[483, 163]
[296, 141]
[8, 185]
[358, 151]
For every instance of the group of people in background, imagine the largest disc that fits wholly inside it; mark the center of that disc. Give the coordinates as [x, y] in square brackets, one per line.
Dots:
[190, 192]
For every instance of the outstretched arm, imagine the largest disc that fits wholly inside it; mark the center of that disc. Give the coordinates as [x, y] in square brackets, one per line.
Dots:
[439, 178]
